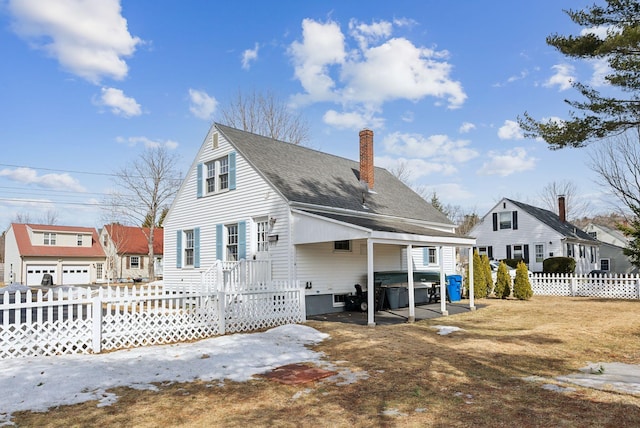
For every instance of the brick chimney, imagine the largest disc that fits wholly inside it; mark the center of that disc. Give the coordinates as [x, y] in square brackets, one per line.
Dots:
[562, 211]
[366, 157]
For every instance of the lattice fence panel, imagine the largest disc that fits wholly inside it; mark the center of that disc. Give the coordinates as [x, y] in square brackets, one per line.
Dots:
[259, 310]
[139, 320]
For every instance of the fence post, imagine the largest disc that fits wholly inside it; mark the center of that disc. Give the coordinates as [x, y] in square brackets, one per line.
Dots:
[301, 294]
[221, 312]
[638, 289]
[96, 317]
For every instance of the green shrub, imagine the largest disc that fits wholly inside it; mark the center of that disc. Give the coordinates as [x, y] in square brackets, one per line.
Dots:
[503, 282]
[488, 279]
[559, 265]
[479, 280]
[522, 287]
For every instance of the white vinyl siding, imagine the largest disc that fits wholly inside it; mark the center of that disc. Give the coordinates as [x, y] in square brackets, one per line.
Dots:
[252, 198]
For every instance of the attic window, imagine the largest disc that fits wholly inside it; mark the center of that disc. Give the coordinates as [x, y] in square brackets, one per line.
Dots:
[49, 238]
[505, 219]
[342, 245]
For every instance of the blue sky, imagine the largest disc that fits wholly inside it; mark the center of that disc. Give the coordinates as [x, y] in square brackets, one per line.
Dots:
[86, 85]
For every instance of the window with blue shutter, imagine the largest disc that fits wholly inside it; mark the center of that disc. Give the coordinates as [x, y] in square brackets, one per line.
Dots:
[219, 242]
[242, 240]
[199, 178]
[196, 247]
[232, 171]
[179, 249]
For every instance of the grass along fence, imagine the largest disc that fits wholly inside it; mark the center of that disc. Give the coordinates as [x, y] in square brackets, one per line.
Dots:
[83, 320]
[612, 286]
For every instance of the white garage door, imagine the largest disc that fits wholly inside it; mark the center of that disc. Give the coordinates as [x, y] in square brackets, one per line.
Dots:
[35, 273]
[75, 274]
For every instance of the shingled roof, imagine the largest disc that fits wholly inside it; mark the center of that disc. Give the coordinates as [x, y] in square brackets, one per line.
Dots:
[27, 249]
[308, 176]
[552, 220]
[133, 239]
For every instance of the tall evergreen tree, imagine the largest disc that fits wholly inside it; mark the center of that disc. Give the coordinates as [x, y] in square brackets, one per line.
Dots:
[522, 286]
[602, 115]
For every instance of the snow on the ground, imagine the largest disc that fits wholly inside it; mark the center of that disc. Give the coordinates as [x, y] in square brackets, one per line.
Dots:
[443, 330]
[607, 376]
[40, 383]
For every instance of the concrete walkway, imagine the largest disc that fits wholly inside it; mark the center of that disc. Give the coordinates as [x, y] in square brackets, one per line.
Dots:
[395, 316]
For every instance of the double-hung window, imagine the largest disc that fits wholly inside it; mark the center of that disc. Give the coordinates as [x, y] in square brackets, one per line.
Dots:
[134, 262]
[223, 176]
[211, 176]
[505, 219]
[217, 175]
[49, 238]
[232, 242]
[539, 253]
[188, 247]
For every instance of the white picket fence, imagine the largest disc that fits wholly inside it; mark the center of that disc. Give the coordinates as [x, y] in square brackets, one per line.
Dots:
[90, 321]
[602, 286]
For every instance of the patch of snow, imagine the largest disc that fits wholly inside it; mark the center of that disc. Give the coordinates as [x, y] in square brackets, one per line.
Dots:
[443, 330]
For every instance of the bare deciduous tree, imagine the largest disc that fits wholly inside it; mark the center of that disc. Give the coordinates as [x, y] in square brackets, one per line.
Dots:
[575, 207]
[148, 186]
[265, 114]
[617, 165]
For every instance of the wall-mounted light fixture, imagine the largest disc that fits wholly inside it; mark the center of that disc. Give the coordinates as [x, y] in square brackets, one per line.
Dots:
[272, 221]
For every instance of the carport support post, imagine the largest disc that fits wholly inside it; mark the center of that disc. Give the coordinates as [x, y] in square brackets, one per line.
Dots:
[412, 300]
[472, 305]
[443, 288]
[371, 292]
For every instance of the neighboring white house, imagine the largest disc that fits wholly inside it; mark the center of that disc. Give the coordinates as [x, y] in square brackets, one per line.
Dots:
[514, 230]
[127, 252]
[71, 255]
[612, 242]
[323, 220]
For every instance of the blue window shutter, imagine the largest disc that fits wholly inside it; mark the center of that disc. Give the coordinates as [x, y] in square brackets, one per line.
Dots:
[242, 240]
[219, 242]
[199, 178]
[179, 249]
[425, 256]
[196, 247]
[232, 171]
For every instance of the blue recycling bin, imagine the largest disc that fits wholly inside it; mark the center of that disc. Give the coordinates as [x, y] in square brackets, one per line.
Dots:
[454, 287]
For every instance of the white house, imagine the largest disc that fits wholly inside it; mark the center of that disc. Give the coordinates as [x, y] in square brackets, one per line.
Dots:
[612, 242]
[323, 220]
[515, 230]
[70, 254]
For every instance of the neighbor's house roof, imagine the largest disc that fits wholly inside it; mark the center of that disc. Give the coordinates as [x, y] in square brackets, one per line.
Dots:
[133, 240]
[26, 248]
[552, 220]
[307, 177]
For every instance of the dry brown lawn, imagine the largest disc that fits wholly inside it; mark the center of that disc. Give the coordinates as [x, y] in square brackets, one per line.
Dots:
[416, 378]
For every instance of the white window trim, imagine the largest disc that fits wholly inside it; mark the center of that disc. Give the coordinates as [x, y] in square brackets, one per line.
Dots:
[131, 262]
[342, 250]
[187, 248]
[217, 174]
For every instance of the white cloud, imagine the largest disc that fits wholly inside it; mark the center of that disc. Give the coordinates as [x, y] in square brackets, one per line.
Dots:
[120, 104]
[601, 69]
[369, 33]
[416, 168]
[248, 56]
[510, 131]
[438, 147]
[507, 163]
[563, 78]
[466, 127]
[89, 38]
[48, 181]
[352, 120]
[322, 46]
[407, 116]
[380, 69]
[202, 104]
[147, 142]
